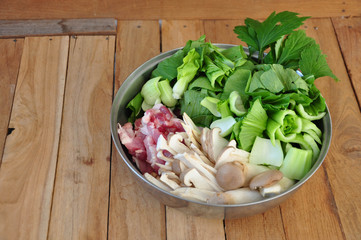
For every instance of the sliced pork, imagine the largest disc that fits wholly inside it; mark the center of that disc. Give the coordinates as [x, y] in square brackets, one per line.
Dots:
[141, 140]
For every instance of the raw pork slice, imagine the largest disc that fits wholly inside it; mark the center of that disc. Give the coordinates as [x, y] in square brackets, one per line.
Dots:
[142, 140]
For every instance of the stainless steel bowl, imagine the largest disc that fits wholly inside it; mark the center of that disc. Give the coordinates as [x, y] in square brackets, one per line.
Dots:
[131, 86]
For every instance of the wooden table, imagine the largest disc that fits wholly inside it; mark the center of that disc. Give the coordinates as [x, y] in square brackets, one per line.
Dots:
[61, 177]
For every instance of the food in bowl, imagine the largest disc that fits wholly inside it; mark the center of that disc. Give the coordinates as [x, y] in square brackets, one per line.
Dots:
[219, 126]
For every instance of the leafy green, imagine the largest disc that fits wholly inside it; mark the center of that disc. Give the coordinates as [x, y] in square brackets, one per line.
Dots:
[295, 43]
[186, 73]
[150, 91]
[190, 103]
[237, 82]
[213, 72]
[297, 163]
[261, 35]
[166, 93]
[135, 105]
[313, 62]
[253, 125]
[168, 67]
[202, 82]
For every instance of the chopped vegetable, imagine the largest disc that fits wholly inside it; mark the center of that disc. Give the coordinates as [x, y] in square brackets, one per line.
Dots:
[225, 124]
[297, 163]
[265, 153]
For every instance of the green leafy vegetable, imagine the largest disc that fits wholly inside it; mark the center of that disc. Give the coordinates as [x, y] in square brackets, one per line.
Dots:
[265, 153]
[190, 103]
[261, 35]
[225, 124]
[297, 163]
[253, 125]
[150, 91]
[186, 73]
[313, 62]
[166, 93]
[168, 67]
[135, 105]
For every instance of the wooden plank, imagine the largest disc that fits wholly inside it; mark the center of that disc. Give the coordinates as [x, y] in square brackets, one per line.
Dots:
[222, 32]
[348, 32]
[173, 9]
[11, 50]
[176, 33]
[267, 225]
[180, 226]
[343, 160]
[29, 162]
[133, 213]
[81, 192]
[11, 28]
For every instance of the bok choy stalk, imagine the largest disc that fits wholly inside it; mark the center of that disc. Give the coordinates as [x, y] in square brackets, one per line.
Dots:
[297, 163]
[186, 72]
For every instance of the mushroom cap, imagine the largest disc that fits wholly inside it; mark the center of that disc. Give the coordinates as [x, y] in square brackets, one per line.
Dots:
[230, 176]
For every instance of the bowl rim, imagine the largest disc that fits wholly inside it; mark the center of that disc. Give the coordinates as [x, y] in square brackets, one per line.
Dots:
[326, 121]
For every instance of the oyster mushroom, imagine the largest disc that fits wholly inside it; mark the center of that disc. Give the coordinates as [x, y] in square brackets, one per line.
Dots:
[193, 193]
[231, 176]
[162, 144]
[196, 131]
[170, 179]
[284, 184]
[231, 154]
[265, 179]
[178, 167]
[192, 177]
[156, 182]
[212, 143]
[191, 161]
[241, 195]
[175, 141]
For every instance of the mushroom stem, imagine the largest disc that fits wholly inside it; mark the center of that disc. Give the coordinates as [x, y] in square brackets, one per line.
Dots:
[242, 195]
[284, 184]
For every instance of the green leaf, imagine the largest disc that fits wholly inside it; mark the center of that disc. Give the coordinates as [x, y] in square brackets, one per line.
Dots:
[190, 103]
[194, 44]
[202, 82]
[313, 62]
[186, 73]
[253, 125]
[261, 35]
[213, 72]
[237, 82]
[295, 43]
[167, 68]
[235, 53]
[135, 105]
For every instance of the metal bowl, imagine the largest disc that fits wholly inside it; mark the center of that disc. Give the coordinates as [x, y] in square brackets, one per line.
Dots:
[131, 86]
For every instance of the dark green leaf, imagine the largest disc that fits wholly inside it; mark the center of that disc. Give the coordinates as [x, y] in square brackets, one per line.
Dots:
[313, 62]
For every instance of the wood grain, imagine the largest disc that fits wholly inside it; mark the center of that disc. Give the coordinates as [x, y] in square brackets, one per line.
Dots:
[221, 31]
[133, 213]
[29, 162]
[172, 9]
[343, 160]
[176, 33]
[348, 32]
[181, 226]
[11, 50]
[81, 192]
[11, 28]
[267, 225]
